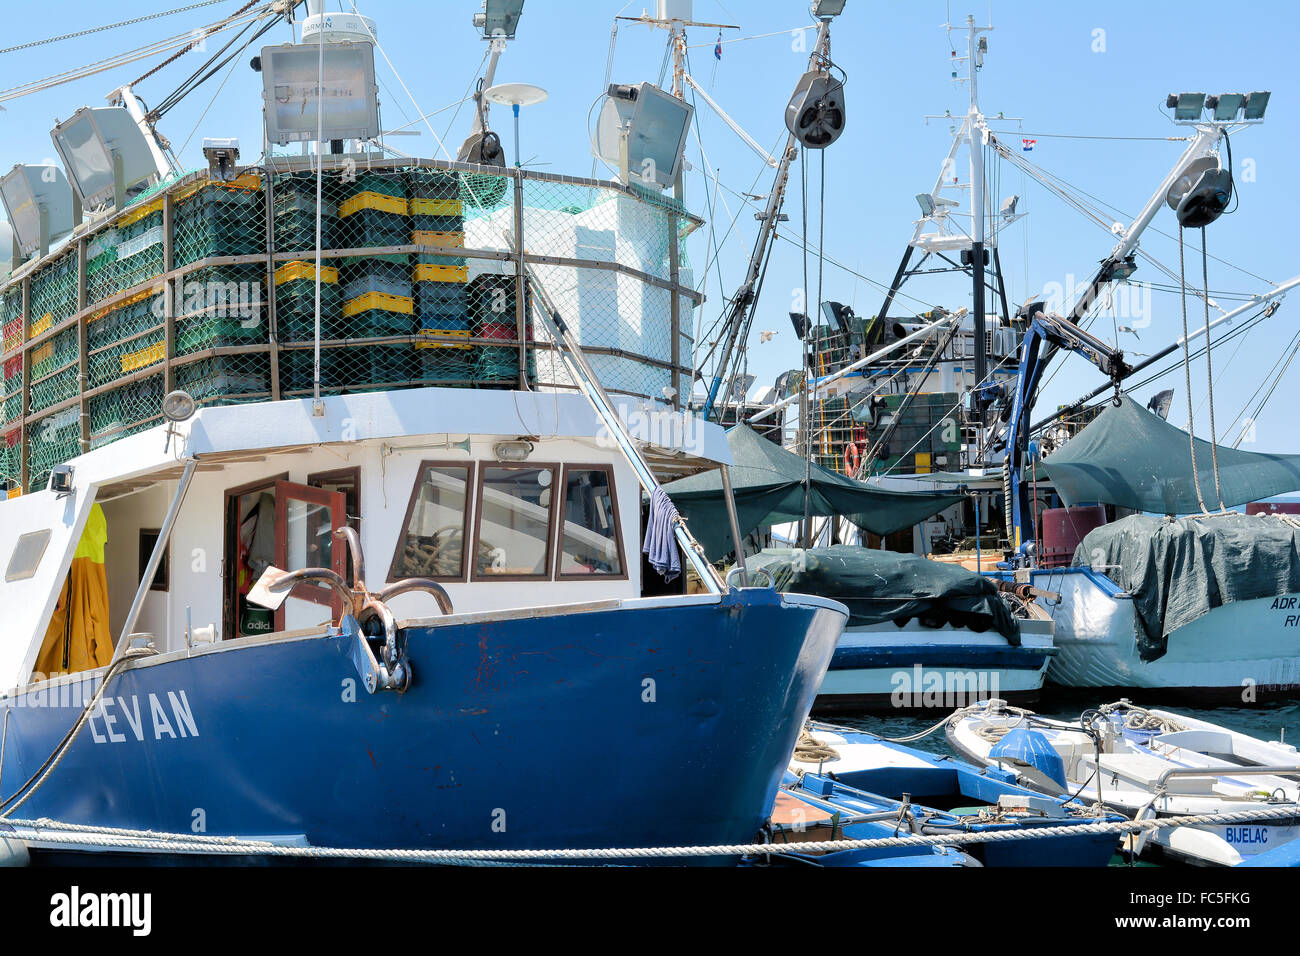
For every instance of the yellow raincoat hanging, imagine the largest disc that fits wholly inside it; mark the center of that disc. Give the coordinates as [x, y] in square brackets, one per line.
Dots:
[79, 637]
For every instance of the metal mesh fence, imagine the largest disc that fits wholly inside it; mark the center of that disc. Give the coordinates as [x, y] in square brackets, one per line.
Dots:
[420, 284]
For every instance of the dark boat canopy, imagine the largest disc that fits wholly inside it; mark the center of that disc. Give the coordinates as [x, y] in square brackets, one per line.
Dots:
[768, 482]
[1178, 569]
[1133, 458]
[879, 586]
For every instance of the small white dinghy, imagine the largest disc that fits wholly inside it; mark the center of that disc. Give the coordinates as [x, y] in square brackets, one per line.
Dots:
[1149, 763]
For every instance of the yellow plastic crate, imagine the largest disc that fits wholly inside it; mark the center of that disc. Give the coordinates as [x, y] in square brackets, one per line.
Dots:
[378, 300]
[437, 207]
[430, 273]
[376, 201]
[454, 240]
[144, 358]
[305, 270]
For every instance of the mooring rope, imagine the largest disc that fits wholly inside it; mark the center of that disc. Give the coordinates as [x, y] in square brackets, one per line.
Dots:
[1187, 371]
[180, 842]
[1209, 370]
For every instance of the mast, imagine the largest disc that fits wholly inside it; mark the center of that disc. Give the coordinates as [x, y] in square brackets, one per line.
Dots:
[975, 46]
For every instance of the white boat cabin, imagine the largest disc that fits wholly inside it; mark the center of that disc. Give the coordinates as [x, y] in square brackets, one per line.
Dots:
[509, 499]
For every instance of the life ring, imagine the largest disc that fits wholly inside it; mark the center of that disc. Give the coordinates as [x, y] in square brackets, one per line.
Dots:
[852, 459]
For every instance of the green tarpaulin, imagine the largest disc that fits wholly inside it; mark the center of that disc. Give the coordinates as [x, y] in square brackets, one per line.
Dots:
[768, 483]
[879, 586]
[1131, 457]
[1179, 568]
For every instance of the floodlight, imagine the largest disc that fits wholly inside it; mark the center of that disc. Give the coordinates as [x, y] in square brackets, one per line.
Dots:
[838, 315]
[1226, 105]
[1255, 105]
[60, 480]
[94, 143]
[1009, 207]
[499, 18]
[292, 103]
[222, 156]
[926, 203]
[1186, 106]
[642, 130]
[178, 406]
[825, 9]
[39, 203]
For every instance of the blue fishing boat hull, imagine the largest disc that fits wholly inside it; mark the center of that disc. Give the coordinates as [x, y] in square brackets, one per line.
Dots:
[657, 722]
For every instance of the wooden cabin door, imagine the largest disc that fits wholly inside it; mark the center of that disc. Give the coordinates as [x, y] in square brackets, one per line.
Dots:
[306, 520]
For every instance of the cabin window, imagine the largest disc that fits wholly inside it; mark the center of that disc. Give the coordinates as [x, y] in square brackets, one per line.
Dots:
[433, 538]
[515, 506]
[590, 543]
[27, 554]
[148, 540]
[347, 482]
[307, 522]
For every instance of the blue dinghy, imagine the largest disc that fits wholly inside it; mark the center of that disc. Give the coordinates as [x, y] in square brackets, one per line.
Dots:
[871, 783]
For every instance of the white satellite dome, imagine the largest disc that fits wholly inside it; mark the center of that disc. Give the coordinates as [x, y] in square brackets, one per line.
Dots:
[336, 27]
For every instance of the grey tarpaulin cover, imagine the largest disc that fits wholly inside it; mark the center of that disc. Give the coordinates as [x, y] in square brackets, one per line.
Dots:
[881, 586]
[1179, 568]
[768, 482]
[1131, 457]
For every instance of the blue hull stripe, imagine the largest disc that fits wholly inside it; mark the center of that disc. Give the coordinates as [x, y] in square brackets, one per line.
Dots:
[632, 726]
[954, 656]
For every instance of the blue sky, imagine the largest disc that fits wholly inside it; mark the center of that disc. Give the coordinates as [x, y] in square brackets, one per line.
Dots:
[1043, 65]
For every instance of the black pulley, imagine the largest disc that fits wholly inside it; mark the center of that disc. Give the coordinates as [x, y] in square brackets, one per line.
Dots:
[1206, 200]
[482, 148]
[815, 115]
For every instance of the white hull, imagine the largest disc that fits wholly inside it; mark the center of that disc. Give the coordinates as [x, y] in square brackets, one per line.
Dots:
[917, 667]
[1239, 650]
[1135, 777]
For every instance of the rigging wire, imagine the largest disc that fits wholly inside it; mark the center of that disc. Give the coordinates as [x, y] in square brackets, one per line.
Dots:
[205, 72]
[1273, 376]
[115, 61]
[1277, 380]
[109, 26]
[224, 80]
[1187, 374]
[1152, 139]
[1209, 372]
[199, 37]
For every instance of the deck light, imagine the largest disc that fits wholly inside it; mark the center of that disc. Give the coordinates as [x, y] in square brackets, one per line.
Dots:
[40, 205]
[517, 449]
[1255, 105]
[499, 18]
[1225, 105]
[178, 406]
[105, 153]
[1186, 106]
[61, 480]
[826, 9]
[222, 156]
[642, 131]
[349, 100]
